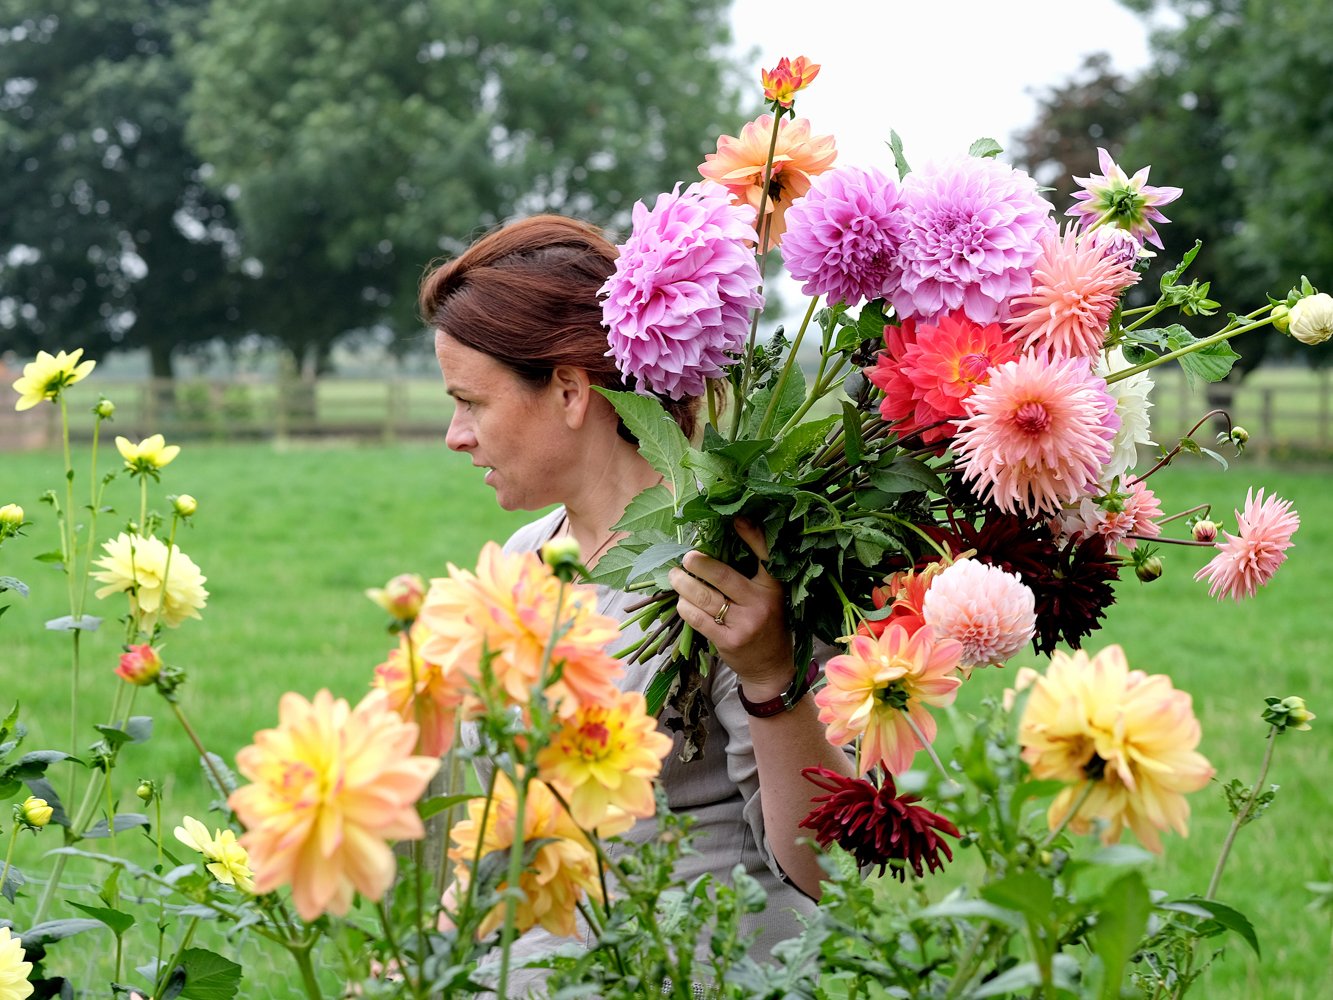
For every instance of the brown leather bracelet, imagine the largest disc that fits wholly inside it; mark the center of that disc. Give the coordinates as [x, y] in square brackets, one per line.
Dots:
[784, 702]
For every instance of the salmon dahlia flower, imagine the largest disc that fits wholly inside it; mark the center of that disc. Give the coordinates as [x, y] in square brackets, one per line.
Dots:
[420, 692]
[511, 610]
[788, 78]
[738, 165]
[881, 682]
[1038, 435]
[1132, 735]
[1247, 560]
[992, 613]
[330, 786]
[562, 871]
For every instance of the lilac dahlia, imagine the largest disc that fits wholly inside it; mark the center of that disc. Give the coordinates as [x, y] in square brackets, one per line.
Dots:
[973, 228]
[1112, 198]
[677, 307]
[842, 236]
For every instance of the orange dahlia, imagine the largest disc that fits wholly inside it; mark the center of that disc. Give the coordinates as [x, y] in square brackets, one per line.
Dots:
[419, 691]
[513, 609]
[738, 165]
[331, 784]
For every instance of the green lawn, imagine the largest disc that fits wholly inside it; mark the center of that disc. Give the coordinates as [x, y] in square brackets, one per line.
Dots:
[290, 538]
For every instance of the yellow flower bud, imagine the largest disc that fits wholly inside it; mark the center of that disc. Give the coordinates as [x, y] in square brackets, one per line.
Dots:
[185, 505]
[35, 812]
[11, 519]
[401, 596]
[1297, 713]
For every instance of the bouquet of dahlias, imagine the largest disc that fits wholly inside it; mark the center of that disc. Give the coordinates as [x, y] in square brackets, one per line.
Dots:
[964, 451]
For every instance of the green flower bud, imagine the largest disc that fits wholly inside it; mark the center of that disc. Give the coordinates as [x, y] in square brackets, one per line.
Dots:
[1149, 569]
[146, 791]
[1240, 437]
[562, 555]
[1288, 713]
[104, 409]
[1281, 318]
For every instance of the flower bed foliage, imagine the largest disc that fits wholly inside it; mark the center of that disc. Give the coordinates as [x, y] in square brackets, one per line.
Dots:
[975, 488]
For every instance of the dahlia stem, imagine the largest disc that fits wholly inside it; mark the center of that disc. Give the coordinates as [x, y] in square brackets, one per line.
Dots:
[308, 979]
[772, 407]
[512, 884]
[164, 973]
[1242, 815]
[1198, 345]
[396, 950]
[194, 738]
[930, 751]
[1169, 457]
[1068, 817]
[761, 230]
[9, 854]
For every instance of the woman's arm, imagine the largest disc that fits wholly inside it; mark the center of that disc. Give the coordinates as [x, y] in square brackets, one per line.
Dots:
[755, 643]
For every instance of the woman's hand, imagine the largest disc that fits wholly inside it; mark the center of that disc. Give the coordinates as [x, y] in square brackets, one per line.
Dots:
[750, 636]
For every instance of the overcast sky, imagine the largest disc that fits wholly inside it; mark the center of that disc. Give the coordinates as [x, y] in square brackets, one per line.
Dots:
[939, 72]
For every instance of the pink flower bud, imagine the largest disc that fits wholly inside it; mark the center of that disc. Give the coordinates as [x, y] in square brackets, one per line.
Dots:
[1205, 531]
[139, 665]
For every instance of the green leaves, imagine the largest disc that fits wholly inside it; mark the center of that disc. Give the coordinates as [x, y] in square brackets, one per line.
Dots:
[661, 441]
[1122, 918]
[208, 976]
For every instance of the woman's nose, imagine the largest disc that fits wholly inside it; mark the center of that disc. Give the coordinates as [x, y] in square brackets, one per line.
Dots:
[460, 436]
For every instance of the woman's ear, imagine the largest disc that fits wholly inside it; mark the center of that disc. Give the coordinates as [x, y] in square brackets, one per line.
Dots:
[574, 392]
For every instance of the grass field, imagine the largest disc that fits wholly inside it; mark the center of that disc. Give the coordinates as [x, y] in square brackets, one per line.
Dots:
[290, 538]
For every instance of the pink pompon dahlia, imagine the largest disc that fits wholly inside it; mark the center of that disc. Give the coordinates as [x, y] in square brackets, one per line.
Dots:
[677, 307]
[1075, 288]
[1038, 435]
[738, 165]
[1112, 198]
[878, 684]
[842, 236]
[991, 612]
[973, 229]
[929, 370]
[1249, 559]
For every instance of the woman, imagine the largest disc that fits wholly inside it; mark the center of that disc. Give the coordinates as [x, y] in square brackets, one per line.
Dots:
[520, 345]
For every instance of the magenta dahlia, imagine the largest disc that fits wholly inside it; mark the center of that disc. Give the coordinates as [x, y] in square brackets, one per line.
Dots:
[1038, 434]
[1249, 559]
[842, 236]
[677, 307]
[877, 826]
[973, 228]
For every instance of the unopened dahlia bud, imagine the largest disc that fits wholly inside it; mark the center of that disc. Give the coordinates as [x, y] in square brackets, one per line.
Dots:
[185, 505]
[1312, 319]
[35, 813]
[401, 596]
[1240, 437]
[1205, 531]
[1288, 713]
[1281, 317]
[11, 519]
[562, 555]
[146, 791]
[105, 409]
[139, 665]
[1149, 569]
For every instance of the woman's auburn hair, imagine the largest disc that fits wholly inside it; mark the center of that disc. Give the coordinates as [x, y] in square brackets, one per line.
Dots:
[525, 294]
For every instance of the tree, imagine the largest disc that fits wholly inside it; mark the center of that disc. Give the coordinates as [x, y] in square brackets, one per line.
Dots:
[109, 236]
[363, 140]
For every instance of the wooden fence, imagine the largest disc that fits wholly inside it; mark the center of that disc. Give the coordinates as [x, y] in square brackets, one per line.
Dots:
[1286, 411]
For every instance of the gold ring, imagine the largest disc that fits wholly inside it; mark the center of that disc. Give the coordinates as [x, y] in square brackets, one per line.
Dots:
[721, 617]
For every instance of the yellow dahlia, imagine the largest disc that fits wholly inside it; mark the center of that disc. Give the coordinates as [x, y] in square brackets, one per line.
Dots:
[562, 871]
[738, 165]
[604, 757]
[147, 457]
[512, 609]
[47, 376]
[138, 566]
[331, 784]
[419, 692]
[1132, 734]
[14, 971]
[227, 860]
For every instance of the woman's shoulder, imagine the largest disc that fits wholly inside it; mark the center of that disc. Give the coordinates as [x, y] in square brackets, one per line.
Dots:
[535, 534]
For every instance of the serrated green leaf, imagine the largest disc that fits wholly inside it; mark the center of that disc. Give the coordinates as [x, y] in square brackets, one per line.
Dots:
[906, 475]
[654, 562]
[1027, 892]
[654, 509]
[1208, 364]
[799, 442]
[1170, 277]
[209, 976]
[1231, 919]
[853, 445]
[661, 441]
[789, 401]
[985, 148]
[118, 922]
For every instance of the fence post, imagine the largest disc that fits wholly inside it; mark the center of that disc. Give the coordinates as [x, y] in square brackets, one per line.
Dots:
[1266, 423]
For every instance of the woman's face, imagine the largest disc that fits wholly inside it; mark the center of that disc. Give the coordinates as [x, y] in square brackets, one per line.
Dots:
[514, 431]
